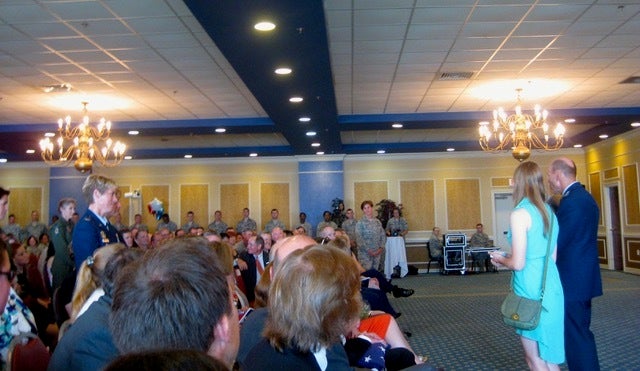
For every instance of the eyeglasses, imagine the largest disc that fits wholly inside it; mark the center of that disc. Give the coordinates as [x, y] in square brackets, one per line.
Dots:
[10, 275]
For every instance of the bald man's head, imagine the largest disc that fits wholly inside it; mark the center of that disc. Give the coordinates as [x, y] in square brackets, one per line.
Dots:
[286, 246]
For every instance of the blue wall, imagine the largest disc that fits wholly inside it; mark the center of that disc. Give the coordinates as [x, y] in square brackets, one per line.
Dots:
[320, 182]
[65, 182]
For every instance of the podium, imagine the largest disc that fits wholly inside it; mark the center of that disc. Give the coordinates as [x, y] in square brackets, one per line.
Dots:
[395, 254]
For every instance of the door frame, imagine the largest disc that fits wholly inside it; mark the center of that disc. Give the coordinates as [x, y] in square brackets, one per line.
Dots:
[499, 236]
[607, 220]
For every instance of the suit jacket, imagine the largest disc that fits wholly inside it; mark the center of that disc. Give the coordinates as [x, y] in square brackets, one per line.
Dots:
[87, 344]
[264, 357]
[250, 276]
[90, 234]
[577, 260]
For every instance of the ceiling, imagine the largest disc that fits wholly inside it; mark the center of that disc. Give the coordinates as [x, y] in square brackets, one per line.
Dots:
[177, 70]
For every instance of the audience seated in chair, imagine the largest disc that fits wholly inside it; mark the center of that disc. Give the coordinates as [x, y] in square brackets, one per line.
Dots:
[16, 318]
[328, 301]
[88, 344]
[176, 297]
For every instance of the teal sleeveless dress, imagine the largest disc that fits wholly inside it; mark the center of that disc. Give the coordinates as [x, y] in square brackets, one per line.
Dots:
[527, 283]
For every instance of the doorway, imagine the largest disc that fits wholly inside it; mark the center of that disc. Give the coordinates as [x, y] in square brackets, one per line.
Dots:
[612, 224]
[503, 204]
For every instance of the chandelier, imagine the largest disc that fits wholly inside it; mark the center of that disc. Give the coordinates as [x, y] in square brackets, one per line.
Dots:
[520, 132]
[80, 144]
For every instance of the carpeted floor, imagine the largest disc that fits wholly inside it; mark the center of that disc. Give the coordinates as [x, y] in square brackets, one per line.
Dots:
[455, 320]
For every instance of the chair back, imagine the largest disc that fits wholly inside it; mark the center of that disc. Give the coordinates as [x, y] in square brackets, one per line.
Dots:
[429, 252]
[27, 353]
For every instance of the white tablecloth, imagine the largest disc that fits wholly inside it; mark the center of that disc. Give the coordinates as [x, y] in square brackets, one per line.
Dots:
[395, 254]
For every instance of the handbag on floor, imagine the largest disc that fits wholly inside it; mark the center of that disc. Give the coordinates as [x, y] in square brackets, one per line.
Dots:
[523, 313]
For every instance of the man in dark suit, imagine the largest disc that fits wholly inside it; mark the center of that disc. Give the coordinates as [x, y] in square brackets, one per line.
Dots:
[93, 229]
[251, 264]
[578, 262]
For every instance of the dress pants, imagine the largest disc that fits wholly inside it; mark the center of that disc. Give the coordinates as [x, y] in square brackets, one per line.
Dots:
[580, 344]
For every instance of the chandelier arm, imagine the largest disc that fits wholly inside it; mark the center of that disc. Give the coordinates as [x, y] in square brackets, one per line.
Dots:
[110, 160]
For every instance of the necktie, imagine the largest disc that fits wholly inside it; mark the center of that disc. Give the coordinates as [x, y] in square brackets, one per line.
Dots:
[259, 266]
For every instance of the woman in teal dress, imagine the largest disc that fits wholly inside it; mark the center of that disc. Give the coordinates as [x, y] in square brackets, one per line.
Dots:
[530, 225]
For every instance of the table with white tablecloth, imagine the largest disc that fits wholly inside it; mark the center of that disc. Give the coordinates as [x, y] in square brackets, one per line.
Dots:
[395, 254]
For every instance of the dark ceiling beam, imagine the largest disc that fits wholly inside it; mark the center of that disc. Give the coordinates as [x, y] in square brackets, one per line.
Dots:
[300, 42]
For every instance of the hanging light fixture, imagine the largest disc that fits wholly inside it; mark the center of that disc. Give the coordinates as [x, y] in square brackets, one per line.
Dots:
[80, 144]
[520, 132]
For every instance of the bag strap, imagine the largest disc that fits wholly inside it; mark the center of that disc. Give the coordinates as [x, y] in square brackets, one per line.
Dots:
[546, 258]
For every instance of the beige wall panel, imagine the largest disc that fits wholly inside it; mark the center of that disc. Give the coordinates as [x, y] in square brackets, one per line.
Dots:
[417, 201]
[233, 199]
[149, 192]
[596, 192]
[500, 182]
[602, 251]
[22, 201]
[611, 173]
[274, 196]
[632, 252]
[194, 197]
[375, 191]
[463, 203]
[632, 202]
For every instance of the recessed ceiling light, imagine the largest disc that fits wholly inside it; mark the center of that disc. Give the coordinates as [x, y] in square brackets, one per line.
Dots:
[381, 151]
[315, 144]
[264, 26]
[3, 160]
[577, 146]
[134, 132]
[450, 149]
[570, 121]
[397, 125]
[188, 156]
[283, 70]
[221, 130]
[320, 153]
[603, 136]
[311, 133]
[253, 155]
[635, 124]
[304, 119]
[49, 135]
[30, 151]
[295, 99]
[128, 157]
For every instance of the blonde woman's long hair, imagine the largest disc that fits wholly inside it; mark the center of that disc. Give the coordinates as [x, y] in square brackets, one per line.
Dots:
[529, 183]
[90, 276]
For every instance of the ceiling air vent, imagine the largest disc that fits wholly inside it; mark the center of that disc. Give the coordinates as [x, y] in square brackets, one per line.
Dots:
[445, 76]
[631, 80]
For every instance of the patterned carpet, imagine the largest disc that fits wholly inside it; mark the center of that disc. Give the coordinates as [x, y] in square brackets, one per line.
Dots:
[455, 320]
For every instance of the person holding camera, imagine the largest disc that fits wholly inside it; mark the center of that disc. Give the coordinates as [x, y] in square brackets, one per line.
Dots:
[397, 226]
